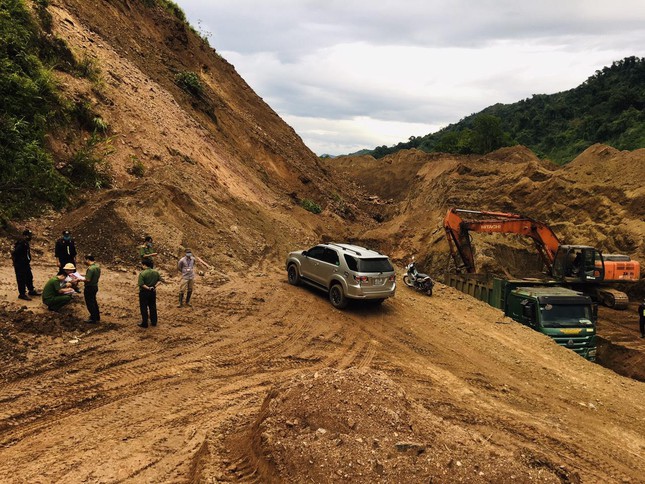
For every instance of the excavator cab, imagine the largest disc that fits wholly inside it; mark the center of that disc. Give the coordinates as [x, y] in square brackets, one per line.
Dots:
[578, 263]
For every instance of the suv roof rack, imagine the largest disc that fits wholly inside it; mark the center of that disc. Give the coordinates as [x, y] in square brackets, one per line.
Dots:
[345, 248]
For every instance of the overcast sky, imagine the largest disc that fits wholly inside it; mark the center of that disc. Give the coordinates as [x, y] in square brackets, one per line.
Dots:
[353, 74]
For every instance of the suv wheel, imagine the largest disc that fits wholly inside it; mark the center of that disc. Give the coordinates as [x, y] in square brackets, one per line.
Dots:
[292, 275]
[337, 298]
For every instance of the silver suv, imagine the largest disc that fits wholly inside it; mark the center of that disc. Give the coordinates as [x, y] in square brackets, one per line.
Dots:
[345, 271]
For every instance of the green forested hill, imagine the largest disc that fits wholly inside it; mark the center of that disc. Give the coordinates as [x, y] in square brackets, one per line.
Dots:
[608, 108]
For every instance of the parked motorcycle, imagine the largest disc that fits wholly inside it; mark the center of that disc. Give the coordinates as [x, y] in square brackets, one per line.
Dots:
[417, 280]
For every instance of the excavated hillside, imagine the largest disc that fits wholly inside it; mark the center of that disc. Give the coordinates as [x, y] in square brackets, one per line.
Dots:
[598, 199]
[261, 381]
[222, 171]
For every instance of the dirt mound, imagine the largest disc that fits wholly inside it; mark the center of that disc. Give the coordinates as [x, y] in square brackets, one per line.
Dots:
[359, 425]
[606, 165]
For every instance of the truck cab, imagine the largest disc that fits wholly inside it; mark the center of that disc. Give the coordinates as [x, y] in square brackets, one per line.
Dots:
[567, 316]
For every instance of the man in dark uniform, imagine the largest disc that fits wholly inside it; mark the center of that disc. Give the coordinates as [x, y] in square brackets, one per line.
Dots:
[148, 280]
[91, 288]
[641, 318]
[21, 256]
[65, 250]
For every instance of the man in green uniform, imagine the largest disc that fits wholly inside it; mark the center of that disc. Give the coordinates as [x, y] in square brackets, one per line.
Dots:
[53, 296]
[91, 288]
[148, 280]
[146, 251]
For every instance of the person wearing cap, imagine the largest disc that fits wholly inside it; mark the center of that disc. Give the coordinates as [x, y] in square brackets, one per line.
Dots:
[92, 276]
[65, 250]
[147, 251]
[148, 280]
[73, 277]
[21, 257]
[186, 268]
[641, 318]
[56, 293]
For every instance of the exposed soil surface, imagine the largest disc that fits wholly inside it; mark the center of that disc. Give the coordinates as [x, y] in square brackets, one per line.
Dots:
[261, 381]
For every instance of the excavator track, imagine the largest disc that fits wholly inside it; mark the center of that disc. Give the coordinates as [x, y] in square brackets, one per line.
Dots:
[612, 298]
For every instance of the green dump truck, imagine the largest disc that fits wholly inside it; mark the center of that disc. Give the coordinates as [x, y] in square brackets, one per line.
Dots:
[567, 316]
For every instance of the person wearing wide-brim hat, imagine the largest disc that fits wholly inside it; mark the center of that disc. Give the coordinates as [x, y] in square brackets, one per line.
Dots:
[73, 277]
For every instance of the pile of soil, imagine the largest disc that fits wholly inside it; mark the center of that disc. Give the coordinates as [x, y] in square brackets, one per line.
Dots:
[358, 425]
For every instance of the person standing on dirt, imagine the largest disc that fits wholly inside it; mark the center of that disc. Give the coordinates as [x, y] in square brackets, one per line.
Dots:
[186, 268]
[148, 280]
[21, 257]
[146, 251]
[55, 294]
[65, 250]
[92, 277]
[641, 318]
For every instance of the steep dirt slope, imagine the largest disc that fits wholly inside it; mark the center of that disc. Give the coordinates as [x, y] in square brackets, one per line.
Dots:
[223, 173]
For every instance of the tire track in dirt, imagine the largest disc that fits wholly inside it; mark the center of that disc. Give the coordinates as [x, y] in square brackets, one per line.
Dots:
[132, 373]
[229, 363]
[136, 378]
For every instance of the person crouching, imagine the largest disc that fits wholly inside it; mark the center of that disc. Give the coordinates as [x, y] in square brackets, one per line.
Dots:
[57, 292]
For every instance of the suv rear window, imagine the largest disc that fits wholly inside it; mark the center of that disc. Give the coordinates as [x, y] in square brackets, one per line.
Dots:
[351, 263]
[377, 264]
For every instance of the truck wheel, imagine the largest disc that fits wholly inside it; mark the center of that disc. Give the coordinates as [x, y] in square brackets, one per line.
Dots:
[292, 275]
[337, 298]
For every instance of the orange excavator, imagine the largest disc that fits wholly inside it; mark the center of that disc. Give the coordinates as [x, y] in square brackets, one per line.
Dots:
[580, 267]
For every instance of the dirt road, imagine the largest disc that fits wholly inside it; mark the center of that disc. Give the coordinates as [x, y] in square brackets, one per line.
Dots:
[177, 403]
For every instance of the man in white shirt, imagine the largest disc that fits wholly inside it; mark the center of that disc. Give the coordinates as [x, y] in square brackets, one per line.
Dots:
[186, 268]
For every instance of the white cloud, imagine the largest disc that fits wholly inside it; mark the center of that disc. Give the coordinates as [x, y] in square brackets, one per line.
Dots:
[358, 74]
[330, 136]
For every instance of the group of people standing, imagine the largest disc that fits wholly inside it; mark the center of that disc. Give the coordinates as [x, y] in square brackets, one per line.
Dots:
[59, 290]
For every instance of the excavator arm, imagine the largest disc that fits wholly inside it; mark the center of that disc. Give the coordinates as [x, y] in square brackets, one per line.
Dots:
[458, 234]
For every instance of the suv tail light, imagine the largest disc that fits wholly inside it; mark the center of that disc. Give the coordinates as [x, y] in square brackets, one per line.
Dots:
[392, 278]
[360, 279]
